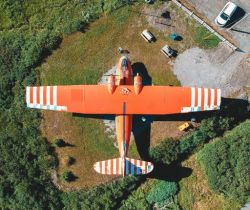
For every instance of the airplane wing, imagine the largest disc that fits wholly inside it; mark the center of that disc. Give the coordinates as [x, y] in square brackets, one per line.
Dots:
[95, 99]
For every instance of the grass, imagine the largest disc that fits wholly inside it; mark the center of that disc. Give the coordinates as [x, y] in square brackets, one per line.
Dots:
[195, 194]
[205, 39]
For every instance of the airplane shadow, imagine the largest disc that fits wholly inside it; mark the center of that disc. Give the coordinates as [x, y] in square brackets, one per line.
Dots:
[139, 68]
[141, 130]
[236, 108]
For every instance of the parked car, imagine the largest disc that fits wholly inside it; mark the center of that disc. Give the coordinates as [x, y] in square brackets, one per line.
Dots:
[147, 35]
[168, 51]
[225, 14]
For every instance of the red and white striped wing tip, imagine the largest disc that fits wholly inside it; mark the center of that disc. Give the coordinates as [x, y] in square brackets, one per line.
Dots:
[43, 97]
[203, 99]
[130, 166]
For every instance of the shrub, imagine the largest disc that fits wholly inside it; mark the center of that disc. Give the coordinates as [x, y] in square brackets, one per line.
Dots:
[68, 176]
[108, 196]
[59, 143]
[71, 161]
[166, 152]
[226, 163]
[161, 192]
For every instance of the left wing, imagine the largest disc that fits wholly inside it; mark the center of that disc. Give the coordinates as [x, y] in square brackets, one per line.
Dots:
[95, 99]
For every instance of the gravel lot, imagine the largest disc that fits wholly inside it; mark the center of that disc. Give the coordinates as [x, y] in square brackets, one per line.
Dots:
[219, 67]
[240, 32]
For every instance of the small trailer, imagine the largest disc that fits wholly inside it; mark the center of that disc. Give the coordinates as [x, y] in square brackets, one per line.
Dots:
[147, 35]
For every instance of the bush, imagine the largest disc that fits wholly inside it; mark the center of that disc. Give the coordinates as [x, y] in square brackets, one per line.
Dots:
[107, 196]
[228, 168]
[68, 176]
[71, 161]
[166, 152]
[59, 143]
[161, 192]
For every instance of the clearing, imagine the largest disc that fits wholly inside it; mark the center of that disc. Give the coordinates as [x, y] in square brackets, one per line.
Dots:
[83, 58]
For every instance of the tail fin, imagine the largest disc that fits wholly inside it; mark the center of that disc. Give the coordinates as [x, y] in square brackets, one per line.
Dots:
[119, 167]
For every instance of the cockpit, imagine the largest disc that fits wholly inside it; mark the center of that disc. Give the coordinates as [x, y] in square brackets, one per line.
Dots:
[124, 64]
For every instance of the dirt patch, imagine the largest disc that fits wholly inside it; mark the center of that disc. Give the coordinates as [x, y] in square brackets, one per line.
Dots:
[163, 130]
[218, 68]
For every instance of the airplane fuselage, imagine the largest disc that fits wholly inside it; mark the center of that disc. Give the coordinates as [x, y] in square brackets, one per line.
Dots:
[124, 121]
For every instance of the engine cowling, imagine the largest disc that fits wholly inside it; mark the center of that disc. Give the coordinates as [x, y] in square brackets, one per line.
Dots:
[111, 84]
[137, 84]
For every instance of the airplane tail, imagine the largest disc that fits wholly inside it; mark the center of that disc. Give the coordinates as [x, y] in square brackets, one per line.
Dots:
[120, 166]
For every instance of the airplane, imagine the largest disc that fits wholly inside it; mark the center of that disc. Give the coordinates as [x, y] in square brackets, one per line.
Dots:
[123, 96]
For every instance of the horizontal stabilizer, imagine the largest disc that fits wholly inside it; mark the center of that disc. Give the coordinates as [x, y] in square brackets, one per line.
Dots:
[118, 166]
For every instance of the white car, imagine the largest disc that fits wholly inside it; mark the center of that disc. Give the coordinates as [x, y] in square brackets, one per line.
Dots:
[148, 36]
[168, 51]
[225, 14]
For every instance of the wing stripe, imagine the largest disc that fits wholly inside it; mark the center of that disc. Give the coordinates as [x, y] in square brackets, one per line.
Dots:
[212, 99]
[120, 166]
[34, 96]
[51, 97]
[48, 95]
[109, 167]
[114, 166]
[137, 166]
[218, 98]
[103, 167]
[132, 166]
[41, 96]
[55, 95]
[205, 98]
[97, 167]
[199, 97]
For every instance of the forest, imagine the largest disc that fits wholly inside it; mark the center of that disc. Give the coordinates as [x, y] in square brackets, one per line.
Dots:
[29, 32]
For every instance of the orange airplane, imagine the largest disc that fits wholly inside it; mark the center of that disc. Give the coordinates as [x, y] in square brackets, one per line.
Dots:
[123, 97]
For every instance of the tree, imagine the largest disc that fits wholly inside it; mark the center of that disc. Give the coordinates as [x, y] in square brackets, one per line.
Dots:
[166, 152]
